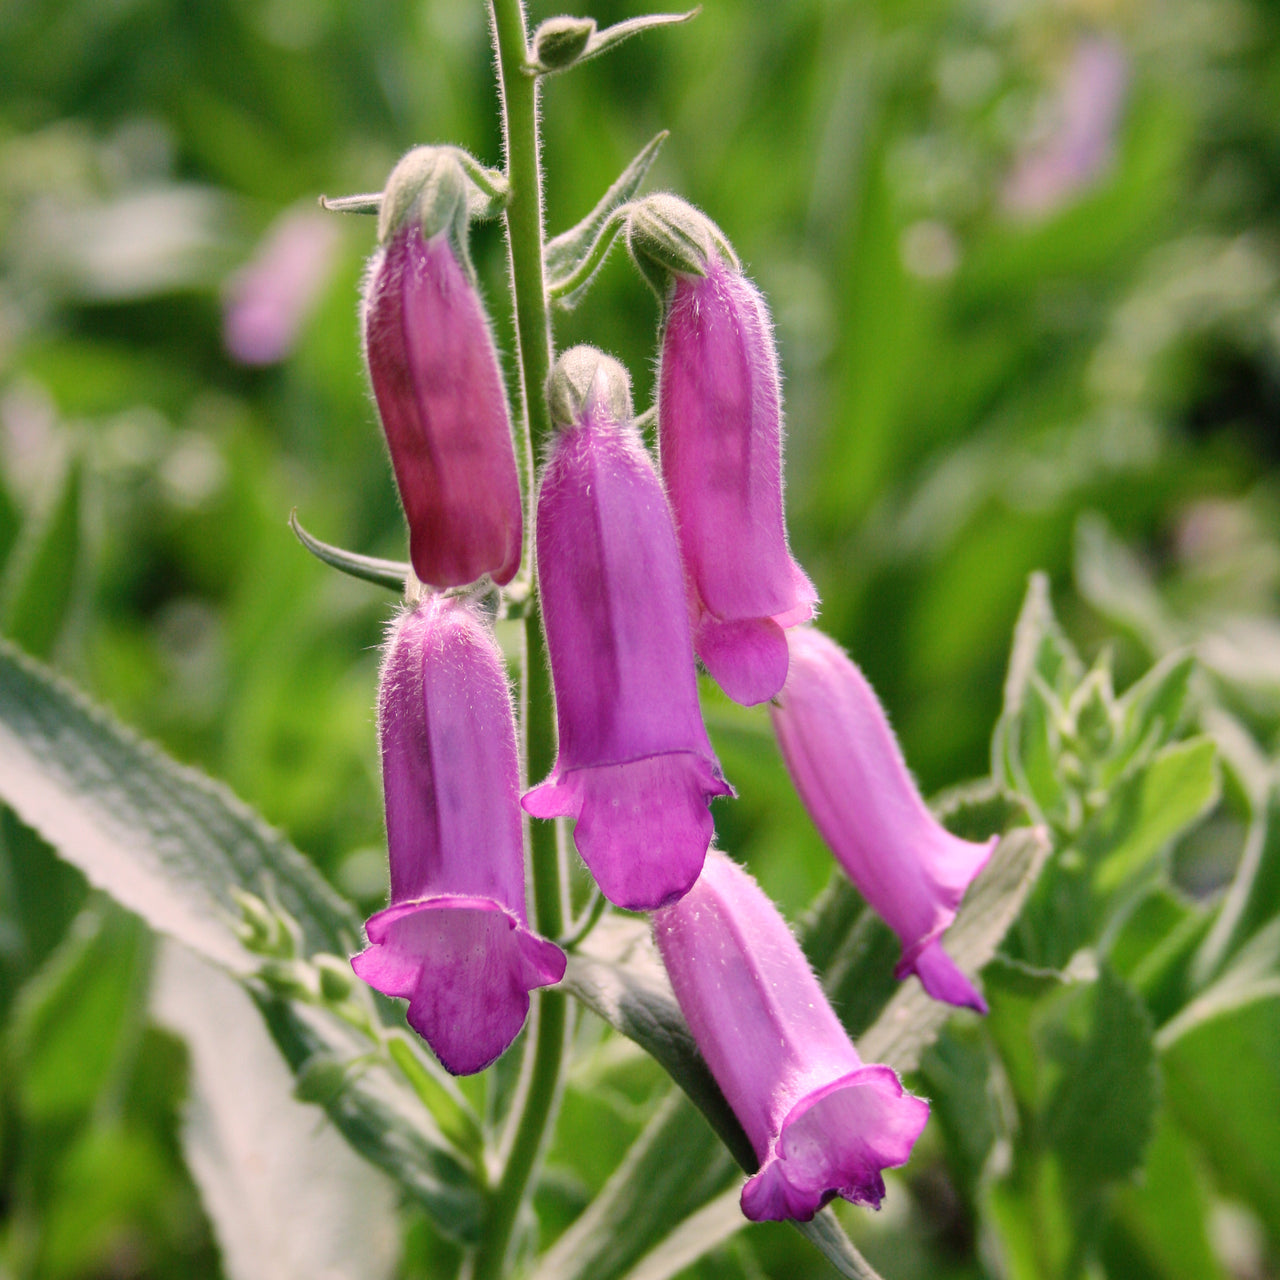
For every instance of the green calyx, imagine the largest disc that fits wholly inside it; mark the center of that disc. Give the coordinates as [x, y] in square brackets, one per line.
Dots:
[560, 42]
[583, 376]
[439, 189]
[667, 236]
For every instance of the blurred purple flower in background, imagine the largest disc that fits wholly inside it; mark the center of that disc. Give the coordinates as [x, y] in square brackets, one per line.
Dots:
[454, 940]
[635, 766]
[269, 300]
[720, 444]
[1079, 147]
[848, 768]
[822, 1122]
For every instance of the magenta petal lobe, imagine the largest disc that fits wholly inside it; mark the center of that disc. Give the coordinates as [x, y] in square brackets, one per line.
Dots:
[746, 658]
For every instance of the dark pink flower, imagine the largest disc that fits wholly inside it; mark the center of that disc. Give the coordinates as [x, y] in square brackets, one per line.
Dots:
[435, 376]
[455, 940]
[635, 767]
[821, 1121]
[849, 771]
[720, 446]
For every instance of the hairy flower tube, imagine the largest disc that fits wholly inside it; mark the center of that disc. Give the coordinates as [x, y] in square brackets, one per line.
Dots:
[635, 767]
[435, 376]
[821, 1121]
[455, 940]
[848, 768]
[720, 449]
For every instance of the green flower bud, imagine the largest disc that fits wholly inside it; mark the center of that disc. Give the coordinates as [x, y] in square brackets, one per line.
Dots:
[337, 980]
[428, 187]
[667, 235]
[575, 380]
[559, 42]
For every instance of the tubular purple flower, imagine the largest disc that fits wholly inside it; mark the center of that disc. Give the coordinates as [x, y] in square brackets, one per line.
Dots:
[848, 768]
[635, 767]
[436, 379]
[720, 448]
[821, 1121]
[455, 940]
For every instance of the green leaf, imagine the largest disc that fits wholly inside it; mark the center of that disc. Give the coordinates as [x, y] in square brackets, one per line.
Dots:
[40, 577]
[618, 975]
[911, 1021]
[164, 840]
[672, 1169]
[1152, 710]
[392, 574]
[286, 1196]
[1043, 671]
[567, 256]
[1160, 1221]
[1143, 815]
[76, 1018]
[1222, 1082]
[1102, 1113]
[378, 1115]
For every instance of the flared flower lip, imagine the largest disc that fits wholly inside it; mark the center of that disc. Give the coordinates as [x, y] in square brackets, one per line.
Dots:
[815, 1196]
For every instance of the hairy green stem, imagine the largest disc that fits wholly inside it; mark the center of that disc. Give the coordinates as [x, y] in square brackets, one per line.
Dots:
[544, 1056]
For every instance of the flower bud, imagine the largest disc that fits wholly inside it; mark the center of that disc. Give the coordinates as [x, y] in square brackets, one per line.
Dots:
[720, 447]
[559, 42]
[455, 940]
[436, 379]
[849, 771]
[821, 1121]
[635, 767]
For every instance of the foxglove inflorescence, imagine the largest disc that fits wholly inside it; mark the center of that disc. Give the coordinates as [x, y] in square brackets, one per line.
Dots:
[720, 447]
[849, 771]
[821, 1121]
[635, 766]
[455, 940]
[435, 375]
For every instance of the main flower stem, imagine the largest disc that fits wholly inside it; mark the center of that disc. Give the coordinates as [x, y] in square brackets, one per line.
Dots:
[519, 92]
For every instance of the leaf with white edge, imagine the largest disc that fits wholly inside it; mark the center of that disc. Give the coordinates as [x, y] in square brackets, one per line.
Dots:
[1143, 815]
[1152, 709]
[825, 1233]
[570, 254]
[377, 1114]
[288, 1200]
[618, 975]
[912, 1020]
[162, 839]
[671, 1170]
[1253, 975]
[1044, 670]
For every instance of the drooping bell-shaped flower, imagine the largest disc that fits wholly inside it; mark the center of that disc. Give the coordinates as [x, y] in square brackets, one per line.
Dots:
[455, 940]
[848, 768]
[821, 1121]
[635, 766]
[720, 449]
[436, 379]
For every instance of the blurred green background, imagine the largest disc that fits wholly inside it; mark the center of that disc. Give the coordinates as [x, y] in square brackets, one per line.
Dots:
[1023, 264]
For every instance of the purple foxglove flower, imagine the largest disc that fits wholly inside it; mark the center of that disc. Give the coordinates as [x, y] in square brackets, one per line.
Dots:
[821, 1121]
[635, 766]
[720, 448]
[455, 940]
[849, 771]
[436, 379]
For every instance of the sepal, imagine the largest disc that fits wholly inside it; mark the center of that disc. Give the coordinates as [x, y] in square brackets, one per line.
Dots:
[563, 42]
[667, 236]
